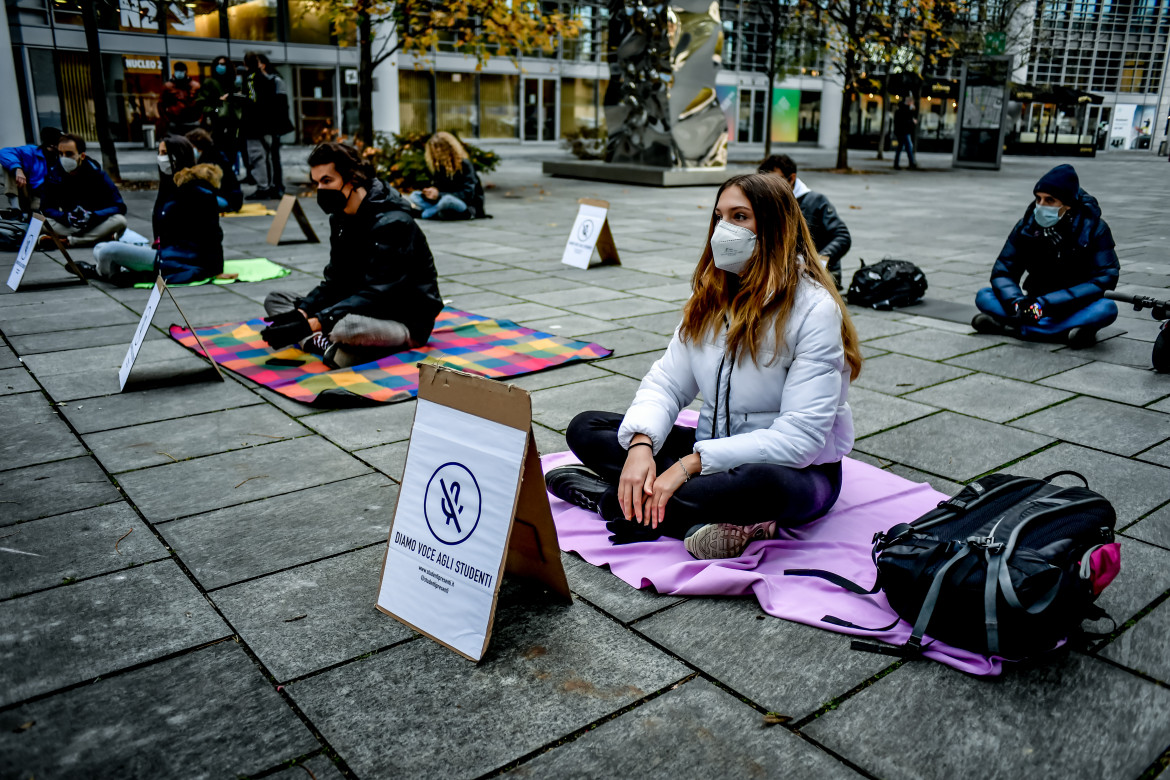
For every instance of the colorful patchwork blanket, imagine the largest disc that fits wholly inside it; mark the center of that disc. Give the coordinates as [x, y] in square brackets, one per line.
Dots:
[464, 341]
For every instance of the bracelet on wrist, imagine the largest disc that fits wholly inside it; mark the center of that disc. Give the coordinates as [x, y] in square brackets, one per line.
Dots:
[686, 474]
[640, 444]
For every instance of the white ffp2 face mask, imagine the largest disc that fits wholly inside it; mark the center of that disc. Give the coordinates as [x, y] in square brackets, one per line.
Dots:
[732, 247]
[164, 164]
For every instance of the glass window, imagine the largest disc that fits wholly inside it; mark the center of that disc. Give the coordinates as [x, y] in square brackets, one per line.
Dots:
[48, 102]
[198, 18]
[497, 100]
[315, 104]
[414, 101]
[252, 20]
[455, 109]
[809, 118]
[135, 82]
[578, 105]
[125, 15]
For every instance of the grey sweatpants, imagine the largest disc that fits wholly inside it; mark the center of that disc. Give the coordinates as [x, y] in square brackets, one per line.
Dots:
[360, 338]
[108, 229]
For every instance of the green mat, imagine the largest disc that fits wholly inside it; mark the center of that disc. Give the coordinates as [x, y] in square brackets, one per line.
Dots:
[257, 269]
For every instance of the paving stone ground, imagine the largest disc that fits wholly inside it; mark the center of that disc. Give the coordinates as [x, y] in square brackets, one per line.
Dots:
[188, 569]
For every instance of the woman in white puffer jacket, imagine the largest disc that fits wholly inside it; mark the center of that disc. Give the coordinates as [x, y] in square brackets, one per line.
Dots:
[767, 342]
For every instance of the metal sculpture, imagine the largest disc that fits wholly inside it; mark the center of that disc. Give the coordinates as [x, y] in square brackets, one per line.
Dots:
[660, 105]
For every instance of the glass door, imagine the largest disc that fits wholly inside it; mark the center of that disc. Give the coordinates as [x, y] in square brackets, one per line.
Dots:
[538, 97]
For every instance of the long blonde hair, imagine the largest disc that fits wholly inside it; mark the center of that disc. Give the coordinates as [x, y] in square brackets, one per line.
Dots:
[443, 151]
[766, 290]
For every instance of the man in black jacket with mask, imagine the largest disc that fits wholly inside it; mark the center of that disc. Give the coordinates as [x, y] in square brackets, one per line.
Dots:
[381, 293]
[828, 231]
[1063, 253]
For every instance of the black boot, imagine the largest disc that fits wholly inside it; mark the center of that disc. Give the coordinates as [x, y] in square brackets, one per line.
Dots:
[577, 485]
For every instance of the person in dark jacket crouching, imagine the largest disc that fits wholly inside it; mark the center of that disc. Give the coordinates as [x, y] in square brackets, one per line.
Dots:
[828, 231]
[381, 292]
[80, 202]
[1067, 252]
[188, 241]
[455, 191]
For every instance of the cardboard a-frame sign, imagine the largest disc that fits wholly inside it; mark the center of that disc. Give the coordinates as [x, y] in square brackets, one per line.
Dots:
[291, 204]
[591, 232]
[144, 325]
[36, 226]
[472, 506]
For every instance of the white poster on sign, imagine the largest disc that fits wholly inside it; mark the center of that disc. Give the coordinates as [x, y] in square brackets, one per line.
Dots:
[26, 249]
[1122, 125]
[450, 532]
[583, 237]
[140, 334]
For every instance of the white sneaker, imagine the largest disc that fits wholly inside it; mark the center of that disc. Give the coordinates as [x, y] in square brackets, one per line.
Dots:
[724, 540]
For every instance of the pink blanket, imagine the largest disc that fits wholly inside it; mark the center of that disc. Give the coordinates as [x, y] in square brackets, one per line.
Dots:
[872, 500]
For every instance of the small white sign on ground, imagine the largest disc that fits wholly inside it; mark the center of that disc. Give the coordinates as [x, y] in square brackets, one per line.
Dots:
[472, 500]
[26, 249]
[590, 232]
[140, 334]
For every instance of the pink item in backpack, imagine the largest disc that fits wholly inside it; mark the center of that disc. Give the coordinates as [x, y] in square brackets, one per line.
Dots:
[1104, 565]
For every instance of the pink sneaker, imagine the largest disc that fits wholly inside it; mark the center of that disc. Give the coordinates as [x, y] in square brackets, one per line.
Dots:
[724, 540]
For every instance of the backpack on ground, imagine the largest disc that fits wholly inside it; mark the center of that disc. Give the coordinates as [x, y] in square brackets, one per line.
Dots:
[1008, 567]
[887, 284]
[12, 234]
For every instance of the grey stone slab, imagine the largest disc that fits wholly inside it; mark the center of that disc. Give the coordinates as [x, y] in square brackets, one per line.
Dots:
[663, 323]
[873, 412]
[872, 325]
[390, 459]
[622, 307]
[561, 375]
[609, 594]
[678, 291]
[1144, 576]
[360, 428]
[733, 641]
[549, 441]
[521, 311]
[165, 403]
[571, 325]
[557, 406]
[1143, 646]
[75, 545]
[66, 635]
[629, 341]
[1102, 425]
[190, 487]
[550, 670]
[103, 359]
[205, 714]
[938, 483]
[1159, 454]
[313, 616]
[321, 766]
[711, 734]
[1020, 362]
[154, 444]
[16, 380]
[1161, 406]
[1116, 383]
[1134, 488]
[249, 540]
[33, 432]
[23, 320]
[899, 374]
[1123, 351]
[953, 446]
[187, 370]
[53, 488]
[8, 358]
[1154, 528]
[933, 344]
[575, 296]
[990, 397]
[81, 338]
[633, 366]
[927, 721]
[479, 299]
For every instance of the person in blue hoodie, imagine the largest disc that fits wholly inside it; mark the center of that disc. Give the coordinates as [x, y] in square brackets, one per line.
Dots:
[81, 203]
[188, 241]
[1049, 281]
[26, 169]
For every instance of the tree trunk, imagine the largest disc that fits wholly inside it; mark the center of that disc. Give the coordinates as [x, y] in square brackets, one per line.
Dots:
[97, 81]
[884, 128]
[848, 91]
[365, 79]
[775, 39]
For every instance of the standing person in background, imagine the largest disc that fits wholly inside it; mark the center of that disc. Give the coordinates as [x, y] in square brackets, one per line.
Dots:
[266, 118]
[219, 106]
[905, 120]
[81, 204]
[228, 194]
[26, 168]
[455, 191]
[178, 110]
[829, 233]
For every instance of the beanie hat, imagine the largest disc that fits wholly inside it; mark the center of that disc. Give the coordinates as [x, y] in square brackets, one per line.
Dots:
[1061, 183]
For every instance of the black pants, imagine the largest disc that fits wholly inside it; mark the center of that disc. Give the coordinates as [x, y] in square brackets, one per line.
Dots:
[745, 495]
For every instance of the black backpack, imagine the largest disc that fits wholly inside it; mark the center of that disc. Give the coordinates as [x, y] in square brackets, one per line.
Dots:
[12, 234]
[887, 284]
[1000, 569]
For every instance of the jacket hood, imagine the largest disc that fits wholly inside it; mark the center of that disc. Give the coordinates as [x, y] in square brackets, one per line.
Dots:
[206, 172]
[382, 197]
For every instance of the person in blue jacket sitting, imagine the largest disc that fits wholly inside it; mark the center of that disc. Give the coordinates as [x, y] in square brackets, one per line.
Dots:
[81, 203]
[188, 241]
[1063, 252]
[26, 168]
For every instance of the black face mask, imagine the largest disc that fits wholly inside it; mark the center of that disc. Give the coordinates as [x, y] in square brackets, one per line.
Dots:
[332, 201]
